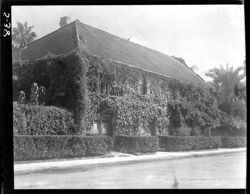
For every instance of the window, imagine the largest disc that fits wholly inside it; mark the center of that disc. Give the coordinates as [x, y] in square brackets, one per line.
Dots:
[144, 86]
[128, 85]
[140, 87]
[148, 87]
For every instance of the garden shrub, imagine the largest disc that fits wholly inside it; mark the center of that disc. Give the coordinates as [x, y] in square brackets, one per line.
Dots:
[97, 145]
[239, 109]
[196, 132]
[190, 118]
[42, 120]
[19, 120]
[236, 108]
[136, 144]
[182, 131]
[226, 132]
[188, 143]
[24, 148]
[37, 147]
[233, 142]
[230, 126]
[176, 119]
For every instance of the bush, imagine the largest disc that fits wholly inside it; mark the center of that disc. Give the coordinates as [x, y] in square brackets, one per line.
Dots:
[133, 144]
[230, 126]
[42, 120]
[187, 116]
[176, 119]
[236, 108]
[225, 132]
[233, 142]
[97, 145]
[19, 121]
[239, 109]
[182, 131]
[188, 143]
[52, 147]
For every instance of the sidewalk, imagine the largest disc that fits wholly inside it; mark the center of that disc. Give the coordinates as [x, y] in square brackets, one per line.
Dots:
[114, 158]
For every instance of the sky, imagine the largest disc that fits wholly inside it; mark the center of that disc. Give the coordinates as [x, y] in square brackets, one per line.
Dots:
[203, 35]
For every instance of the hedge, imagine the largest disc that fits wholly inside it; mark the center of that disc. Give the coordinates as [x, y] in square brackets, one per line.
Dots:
[19, 121]
[41, 120]
[226, 132]
[136, 144]
[233, 142]
[188, 143]
[51, 147]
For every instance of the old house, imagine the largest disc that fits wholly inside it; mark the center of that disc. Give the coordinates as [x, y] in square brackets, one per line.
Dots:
[119, 52]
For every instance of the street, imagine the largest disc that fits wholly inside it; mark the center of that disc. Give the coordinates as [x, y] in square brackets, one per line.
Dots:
[220, 171]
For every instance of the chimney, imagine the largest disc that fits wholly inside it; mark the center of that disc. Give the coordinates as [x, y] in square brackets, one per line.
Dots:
[64, 21]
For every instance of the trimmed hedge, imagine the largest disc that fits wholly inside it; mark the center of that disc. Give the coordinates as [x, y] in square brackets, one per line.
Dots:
[133, 144]
[188, 143]
[41, 120]
[19, 120]
[225, 132]
[51, 147]
[233, 142]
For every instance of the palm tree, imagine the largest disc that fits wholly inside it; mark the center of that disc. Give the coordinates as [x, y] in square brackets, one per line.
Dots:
[225, 80]
[21, 36]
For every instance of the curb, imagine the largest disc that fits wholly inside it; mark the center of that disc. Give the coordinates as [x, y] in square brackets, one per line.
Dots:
[85, 164]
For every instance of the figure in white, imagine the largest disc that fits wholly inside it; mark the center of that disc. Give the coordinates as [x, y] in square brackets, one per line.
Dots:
[34, 94]
[21, 97]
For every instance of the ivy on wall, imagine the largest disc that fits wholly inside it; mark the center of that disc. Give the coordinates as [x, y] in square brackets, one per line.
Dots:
[182, 106]
[65, 78]
[91, 86]
[135, 113]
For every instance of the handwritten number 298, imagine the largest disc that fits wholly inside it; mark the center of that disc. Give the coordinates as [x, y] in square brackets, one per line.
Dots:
[6, 32]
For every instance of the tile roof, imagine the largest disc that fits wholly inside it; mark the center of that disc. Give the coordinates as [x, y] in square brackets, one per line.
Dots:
[58, 42]
[101, 43]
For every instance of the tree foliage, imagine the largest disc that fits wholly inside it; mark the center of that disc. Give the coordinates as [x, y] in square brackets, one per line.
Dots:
[229, 86]
[22, 35]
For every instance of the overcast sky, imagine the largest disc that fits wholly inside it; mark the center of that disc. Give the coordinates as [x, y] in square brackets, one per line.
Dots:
[203, 35]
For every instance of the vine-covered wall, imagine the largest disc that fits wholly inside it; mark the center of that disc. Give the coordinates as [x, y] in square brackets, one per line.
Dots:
[139, 102]
[64, 78]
